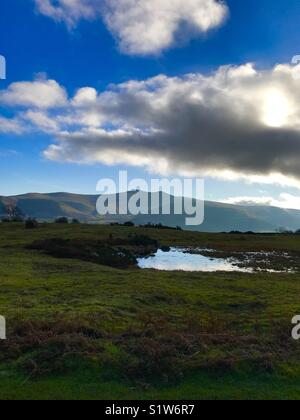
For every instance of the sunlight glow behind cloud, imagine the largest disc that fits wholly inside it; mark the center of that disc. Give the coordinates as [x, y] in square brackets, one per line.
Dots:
[277, 109]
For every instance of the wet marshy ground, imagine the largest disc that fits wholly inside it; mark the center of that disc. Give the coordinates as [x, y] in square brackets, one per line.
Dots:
[272, 261]
[147, 253]
[208, 260]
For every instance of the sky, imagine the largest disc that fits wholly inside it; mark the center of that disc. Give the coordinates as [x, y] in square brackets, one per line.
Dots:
[187, 88]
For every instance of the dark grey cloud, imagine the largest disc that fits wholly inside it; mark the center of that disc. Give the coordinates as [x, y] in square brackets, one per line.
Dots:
[237, 120]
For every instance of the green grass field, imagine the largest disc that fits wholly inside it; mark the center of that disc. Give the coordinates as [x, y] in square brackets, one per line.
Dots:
[78, 330]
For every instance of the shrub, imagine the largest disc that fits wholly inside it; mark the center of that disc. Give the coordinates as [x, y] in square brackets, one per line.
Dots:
[159, 226]
[31, 224]
[143, 240]
[91, 251]
[62, 220]
[129, 224]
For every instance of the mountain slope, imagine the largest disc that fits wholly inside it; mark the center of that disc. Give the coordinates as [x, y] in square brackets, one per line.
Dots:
[51, 206]
[218, 217]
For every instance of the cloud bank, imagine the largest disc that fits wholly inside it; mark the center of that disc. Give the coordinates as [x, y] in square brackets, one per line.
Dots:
[236, 123]
[141, 27]
[285, 201]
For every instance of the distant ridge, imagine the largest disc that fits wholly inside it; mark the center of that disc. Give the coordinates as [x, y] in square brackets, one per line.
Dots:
[218, 217]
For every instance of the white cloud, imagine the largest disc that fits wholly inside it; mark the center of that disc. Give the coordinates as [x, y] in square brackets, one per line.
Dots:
[39, 94]
[285, 201]
[41, 120]
[68, 11]
[142, 26]
[11, 126]
[249, 201]
[85, 96]
[149, 27]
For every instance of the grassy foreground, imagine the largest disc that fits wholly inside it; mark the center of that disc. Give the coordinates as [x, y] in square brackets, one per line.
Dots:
[80, 330]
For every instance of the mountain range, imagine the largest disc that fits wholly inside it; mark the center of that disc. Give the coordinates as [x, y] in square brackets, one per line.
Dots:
[219, 217]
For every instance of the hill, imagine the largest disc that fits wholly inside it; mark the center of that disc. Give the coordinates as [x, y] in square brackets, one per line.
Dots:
[219, 217]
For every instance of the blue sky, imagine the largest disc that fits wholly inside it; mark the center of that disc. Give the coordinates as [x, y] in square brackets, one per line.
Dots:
[264, 32]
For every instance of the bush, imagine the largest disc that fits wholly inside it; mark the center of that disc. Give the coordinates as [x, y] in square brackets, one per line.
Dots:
[129, 224]
[62, 220]
[75, 222]
[143, 240]
[160, 226]
[91, 251]
[31, 224]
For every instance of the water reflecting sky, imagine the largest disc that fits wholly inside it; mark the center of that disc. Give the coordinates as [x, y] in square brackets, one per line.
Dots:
[178, 260]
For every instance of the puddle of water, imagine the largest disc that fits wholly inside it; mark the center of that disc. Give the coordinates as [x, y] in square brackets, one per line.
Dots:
[181, 260]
